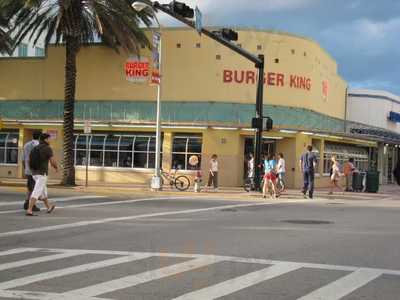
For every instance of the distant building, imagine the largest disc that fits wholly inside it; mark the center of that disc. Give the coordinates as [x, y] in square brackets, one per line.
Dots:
[380, 112]
[27, 49]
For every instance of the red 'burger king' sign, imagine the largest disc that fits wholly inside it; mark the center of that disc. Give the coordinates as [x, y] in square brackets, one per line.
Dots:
[137, 69]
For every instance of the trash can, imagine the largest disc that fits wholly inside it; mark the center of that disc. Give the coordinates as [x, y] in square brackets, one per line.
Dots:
[357, 183]
[372, 182]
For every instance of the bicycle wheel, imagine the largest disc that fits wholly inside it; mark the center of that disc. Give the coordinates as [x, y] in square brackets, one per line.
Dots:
[182, 183]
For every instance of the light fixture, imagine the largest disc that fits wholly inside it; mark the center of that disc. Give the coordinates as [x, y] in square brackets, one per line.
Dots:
[41, 124]
[184, 127]
[140, 5]
[133, 126]
[288, 131]
[307, 133]
[273, 137]
[225, 128]
[322, 135]
[248, 129]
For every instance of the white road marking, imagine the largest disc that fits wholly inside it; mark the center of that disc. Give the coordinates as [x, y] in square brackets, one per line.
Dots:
[343, 286]
[60, 199]
[16, 251]
[133, 280]
[241, 282]
[68, 271]
[111, 202]
[41, 296]
[333, 291]
[35, 260]
[127, 218]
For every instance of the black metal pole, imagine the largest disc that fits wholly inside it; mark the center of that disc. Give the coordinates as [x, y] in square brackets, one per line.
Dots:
[259, 114]
[259, 63]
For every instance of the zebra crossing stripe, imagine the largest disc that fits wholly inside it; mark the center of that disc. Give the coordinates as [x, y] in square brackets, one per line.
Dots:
[343, 286]
[42, 296]
[68, 271]
[133, 280]
[241, 282]
[31, 261]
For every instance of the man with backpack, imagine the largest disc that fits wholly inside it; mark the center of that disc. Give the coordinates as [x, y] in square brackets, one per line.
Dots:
[39, 159]
[308, 162]
[30, 183]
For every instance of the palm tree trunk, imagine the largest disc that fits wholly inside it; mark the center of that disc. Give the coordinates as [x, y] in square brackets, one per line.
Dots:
[72, 48]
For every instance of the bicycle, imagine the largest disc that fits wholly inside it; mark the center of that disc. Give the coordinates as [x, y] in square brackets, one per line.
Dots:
[181, 182]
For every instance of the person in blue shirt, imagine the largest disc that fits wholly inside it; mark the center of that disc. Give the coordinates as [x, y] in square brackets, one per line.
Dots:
[269, 175]
[308, 163]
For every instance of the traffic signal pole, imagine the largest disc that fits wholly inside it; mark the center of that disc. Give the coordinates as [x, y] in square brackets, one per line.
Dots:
[259, 64]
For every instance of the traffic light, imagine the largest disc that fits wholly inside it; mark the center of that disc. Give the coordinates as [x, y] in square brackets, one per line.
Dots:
[229, 34]
[257, 123]
[182, 9]
[269, 124]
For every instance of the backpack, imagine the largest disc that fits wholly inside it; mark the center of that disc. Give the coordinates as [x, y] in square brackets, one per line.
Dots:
[34, 158]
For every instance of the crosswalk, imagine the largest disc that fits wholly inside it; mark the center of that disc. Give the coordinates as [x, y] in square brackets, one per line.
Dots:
[15, 286]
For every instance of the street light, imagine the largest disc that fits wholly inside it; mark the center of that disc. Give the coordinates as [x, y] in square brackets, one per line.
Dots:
[156, 179]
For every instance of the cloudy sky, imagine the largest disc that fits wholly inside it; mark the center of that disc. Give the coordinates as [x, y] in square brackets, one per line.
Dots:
[362, 35]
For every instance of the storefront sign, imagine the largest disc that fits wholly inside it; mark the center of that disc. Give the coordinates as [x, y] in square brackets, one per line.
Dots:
[155, 73]
[270, 78]
[394, 117]
[137, 69]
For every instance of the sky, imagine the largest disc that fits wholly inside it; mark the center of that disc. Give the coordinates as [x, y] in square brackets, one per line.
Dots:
[363, 36]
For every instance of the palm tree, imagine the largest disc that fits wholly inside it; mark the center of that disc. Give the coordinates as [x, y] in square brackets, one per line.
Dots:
[76, 23]
[5, 40]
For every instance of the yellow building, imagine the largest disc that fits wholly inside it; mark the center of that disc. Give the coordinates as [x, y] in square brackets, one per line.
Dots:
[208, 100]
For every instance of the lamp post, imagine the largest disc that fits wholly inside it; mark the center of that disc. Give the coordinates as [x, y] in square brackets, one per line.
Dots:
[156, 179]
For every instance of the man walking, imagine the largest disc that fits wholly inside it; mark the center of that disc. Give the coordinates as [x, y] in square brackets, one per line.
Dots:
[30, 183]
[39, 163]
[308, 162]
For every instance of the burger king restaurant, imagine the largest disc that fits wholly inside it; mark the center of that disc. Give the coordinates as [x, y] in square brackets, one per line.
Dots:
[207, 102]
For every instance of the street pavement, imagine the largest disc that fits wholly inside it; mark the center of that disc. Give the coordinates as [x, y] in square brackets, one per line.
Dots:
[225, 245]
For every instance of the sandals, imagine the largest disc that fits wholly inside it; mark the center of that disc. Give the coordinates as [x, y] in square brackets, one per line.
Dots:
[49, 211]
[30, 215]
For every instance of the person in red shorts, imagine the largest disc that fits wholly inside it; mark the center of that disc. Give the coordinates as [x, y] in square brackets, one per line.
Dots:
[270, 176]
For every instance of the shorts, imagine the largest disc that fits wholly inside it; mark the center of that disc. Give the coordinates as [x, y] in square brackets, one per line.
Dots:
[30, 183]
[270, 176]
[40, 190]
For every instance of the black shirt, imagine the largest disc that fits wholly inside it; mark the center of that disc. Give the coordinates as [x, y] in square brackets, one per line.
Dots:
[45, 154]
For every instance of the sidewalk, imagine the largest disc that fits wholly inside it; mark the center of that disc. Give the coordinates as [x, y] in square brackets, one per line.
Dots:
[143, 189]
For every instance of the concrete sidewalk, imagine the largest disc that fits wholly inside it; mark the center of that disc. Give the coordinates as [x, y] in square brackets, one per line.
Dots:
[144, 190]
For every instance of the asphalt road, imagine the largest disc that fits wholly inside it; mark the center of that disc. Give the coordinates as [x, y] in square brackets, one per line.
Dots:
[102, 247]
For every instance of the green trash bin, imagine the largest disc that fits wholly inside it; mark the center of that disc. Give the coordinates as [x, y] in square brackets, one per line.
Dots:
[372, 182]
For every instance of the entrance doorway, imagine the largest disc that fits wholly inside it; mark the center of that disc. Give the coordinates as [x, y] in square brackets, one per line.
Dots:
[268, 146]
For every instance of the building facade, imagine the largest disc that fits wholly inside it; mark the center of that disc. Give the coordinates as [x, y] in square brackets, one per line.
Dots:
[381, 110]
[208, 99]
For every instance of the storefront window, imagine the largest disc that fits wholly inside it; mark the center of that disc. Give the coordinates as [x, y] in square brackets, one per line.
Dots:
[183, 147]
[110, 150]
[316, 144]
[343, 152]
[8, 148]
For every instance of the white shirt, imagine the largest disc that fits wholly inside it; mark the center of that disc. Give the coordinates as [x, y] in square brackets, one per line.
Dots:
[214, 165]
[250, 166]
[281, 166]
[25, 155]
